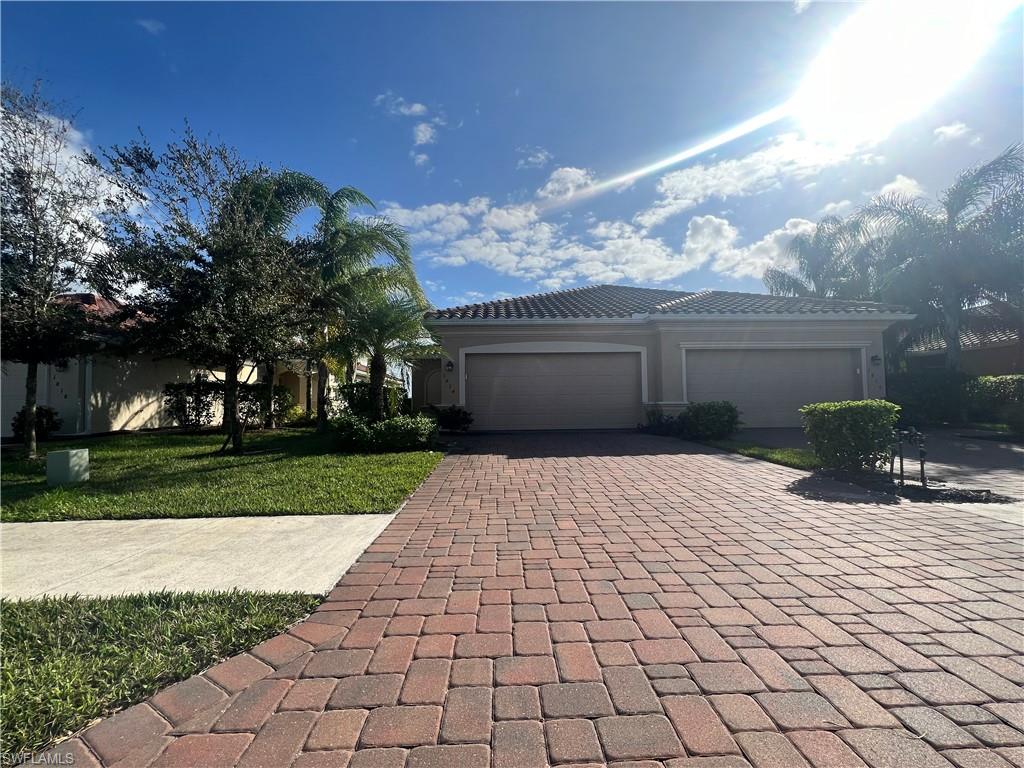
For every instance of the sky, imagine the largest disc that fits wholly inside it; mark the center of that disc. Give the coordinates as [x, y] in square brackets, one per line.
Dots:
[476, 125]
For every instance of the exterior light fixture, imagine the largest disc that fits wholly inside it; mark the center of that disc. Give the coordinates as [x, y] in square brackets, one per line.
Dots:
[449, 366]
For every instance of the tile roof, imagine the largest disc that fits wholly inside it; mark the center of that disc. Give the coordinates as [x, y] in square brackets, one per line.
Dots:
[623, 301]
[988, 329]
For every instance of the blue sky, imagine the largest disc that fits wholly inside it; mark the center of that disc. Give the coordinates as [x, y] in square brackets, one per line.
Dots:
[469, 123]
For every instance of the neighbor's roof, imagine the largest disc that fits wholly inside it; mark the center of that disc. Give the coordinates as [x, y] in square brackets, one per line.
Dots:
[623, 301]
[988, 329]
[93, 303]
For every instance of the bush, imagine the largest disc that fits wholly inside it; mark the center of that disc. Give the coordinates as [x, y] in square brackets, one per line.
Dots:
[930, 396]
[852, 434]
[357, 397]
[660, 423]
[997, 399]
[294, 416]
[401, 433]
[451, 419]
[47, 423]
[713, 420]
[191, 404]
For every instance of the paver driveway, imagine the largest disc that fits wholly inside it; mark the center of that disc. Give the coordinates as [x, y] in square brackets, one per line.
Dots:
[591, 599]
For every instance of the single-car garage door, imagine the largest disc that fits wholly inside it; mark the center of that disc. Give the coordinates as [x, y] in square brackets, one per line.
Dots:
[770, 385]
[565, 390]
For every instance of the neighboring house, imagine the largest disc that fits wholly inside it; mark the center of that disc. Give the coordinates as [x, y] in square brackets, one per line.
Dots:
[991, 346]
[106, 392]
[598, 357]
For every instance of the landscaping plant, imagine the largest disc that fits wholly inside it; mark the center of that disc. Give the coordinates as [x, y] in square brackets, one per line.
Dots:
[452, 418]
[851, 434]
[712, 420]
[48, 422]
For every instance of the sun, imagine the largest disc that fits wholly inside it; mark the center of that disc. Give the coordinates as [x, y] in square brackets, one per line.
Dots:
[889, 62]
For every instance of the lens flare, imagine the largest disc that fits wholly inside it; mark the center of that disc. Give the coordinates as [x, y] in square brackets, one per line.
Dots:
[885, 65]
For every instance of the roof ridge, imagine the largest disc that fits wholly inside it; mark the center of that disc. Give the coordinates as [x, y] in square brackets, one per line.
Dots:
[687, 296]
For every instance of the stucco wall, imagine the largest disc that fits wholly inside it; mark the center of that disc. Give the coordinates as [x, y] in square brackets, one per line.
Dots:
[127, 392]
[57, 388]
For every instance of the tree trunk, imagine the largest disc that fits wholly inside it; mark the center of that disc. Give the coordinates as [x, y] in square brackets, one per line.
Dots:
[378, 374]
[269, 417]
[350, 369]
[951, 322]
[31, 382]
[309, 389]
[322, 375]
[232, 423]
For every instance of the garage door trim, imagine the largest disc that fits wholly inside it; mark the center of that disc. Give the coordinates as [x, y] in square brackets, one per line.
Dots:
[861, 345]
[549, 347]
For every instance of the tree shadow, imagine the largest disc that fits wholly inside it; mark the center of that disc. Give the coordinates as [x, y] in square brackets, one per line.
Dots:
[822, 488]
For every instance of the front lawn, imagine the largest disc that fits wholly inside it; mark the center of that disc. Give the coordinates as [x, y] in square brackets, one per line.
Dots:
[798, 458]
[283, 472]
[68, 660]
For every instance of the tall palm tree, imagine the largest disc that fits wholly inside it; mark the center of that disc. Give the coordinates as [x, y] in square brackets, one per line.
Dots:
[964, 250]
[838, 260]
[350, 258]
[388, 327]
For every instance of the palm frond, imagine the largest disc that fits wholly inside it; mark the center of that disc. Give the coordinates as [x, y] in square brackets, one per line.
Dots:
[978, 186]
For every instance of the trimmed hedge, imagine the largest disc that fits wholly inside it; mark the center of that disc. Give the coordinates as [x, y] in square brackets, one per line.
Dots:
[852, 434]
[451, 419]
[997, 399]
[712, 420]
[401, 433]
[939, 396]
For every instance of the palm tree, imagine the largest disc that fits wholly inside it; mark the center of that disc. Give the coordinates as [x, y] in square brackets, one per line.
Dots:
[838, 260]
[964, 250]
[350, 258]
[389, 328]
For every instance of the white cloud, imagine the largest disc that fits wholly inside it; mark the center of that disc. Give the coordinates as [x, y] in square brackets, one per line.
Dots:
[564, 182]
[394, 104]
[786, 157]
[153, 26]
[710, 238]
[424, 133]
[955, 131]
[840, 208]
[533, 157]
[509, 218]
[903, 185]
[419, 158]
[799, 6]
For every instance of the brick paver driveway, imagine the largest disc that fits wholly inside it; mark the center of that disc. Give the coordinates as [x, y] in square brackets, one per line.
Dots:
[590, 599]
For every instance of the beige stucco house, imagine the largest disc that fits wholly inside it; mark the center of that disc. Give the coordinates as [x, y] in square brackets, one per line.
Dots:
[601, 356]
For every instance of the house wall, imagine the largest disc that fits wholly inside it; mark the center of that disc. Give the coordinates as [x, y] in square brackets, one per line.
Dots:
[427, 383]
[127, 392]
[662, 340]
[57, 388]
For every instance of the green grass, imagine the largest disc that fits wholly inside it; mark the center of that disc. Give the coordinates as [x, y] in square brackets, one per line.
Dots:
[798, 458]
[68, 660]
[284, 472]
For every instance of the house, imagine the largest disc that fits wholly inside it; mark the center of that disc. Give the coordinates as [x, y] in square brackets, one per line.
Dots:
[990, 346]
[600, 356]
[107, 392]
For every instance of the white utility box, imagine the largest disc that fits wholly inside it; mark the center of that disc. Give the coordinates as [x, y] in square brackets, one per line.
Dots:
[67, 467]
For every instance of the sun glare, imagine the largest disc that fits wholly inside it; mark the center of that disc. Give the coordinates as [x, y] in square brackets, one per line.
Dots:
[889, 62]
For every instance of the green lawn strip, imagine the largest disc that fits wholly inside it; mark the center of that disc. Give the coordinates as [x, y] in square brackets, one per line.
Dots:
[283, 472]
[68, 660]
[798, 458]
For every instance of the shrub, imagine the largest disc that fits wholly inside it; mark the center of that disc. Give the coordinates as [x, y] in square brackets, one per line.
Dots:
[998, 399]
[403, 433]
[712, 420]
[48, 421]
[852, 434]
[191, 403]
[929, 396]
[451, 419]
[357, 397]
[660, 423]
[294, 415]
[353, 433]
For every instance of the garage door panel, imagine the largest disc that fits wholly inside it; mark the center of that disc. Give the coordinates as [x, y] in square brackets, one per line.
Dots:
[769, 386]
[554, 391]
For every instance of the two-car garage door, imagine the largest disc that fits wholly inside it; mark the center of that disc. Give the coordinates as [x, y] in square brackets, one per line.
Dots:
[769, 386]
[565, 390]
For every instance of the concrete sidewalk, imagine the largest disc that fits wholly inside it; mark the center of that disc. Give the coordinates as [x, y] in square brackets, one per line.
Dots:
[305, 553]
